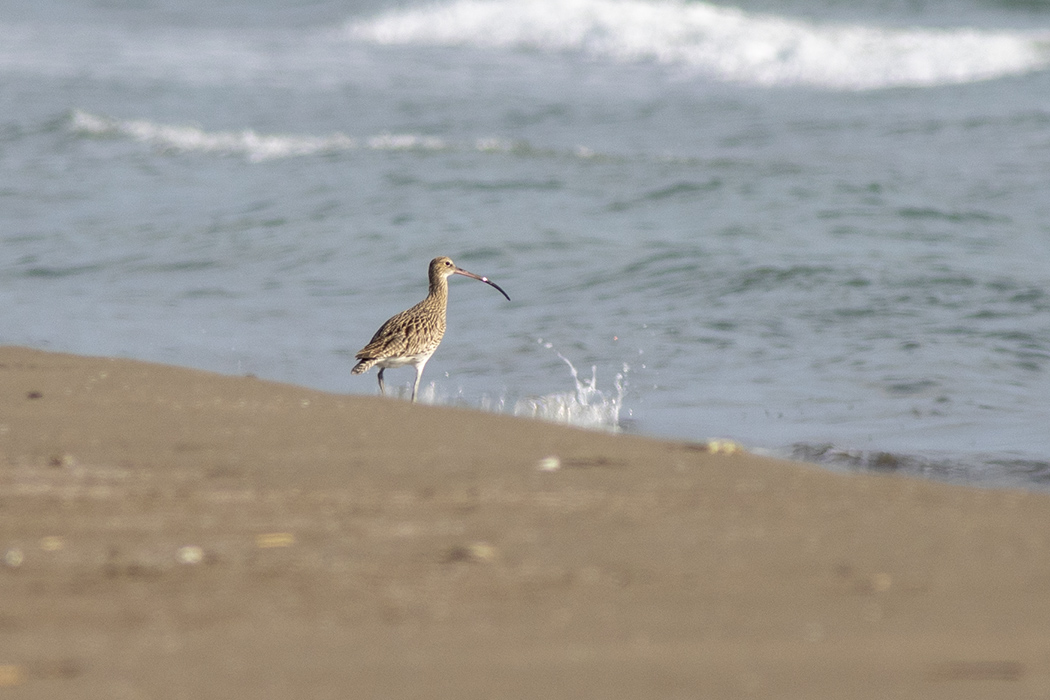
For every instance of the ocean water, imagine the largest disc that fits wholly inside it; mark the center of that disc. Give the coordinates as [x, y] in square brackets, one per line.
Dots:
[819, 228]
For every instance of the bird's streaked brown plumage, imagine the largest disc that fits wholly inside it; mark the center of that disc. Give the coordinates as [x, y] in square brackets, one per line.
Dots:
[412, 336]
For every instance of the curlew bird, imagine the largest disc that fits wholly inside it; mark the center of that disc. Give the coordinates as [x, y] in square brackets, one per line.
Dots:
[412, 336]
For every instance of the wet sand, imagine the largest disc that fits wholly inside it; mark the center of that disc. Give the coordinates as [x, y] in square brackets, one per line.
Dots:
[173, 533]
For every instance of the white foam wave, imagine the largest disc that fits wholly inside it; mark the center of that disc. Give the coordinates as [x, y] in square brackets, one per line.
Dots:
[248, 142]
[174, 137]
[719, 41]
[258, 147]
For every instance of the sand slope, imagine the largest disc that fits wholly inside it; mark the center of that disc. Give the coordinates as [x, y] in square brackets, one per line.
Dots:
[173, 533]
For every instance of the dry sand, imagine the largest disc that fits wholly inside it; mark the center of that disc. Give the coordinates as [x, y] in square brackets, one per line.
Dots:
[172, 533]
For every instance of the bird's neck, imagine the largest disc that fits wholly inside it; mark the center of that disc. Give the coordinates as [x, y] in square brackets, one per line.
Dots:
[438, 290]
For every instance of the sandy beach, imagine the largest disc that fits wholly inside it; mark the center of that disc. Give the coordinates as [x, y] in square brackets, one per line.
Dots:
[169, 533]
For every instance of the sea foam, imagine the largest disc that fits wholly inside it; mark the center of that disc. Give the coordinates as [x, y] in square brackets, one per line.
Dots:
[721, 42]
[258, 147]
[247, 142]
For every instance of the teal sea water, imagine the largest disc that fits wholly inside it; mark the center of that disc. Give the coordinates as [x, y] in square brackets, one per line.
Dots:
[821, 229]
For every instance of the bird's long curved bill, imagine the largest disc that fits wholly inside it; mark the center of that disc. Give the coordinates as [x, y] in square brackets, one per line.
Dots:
[486, 280]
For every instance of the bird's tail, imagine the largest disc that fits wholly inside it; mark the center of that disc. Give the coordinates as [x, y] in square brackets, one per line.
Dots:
[363, 366]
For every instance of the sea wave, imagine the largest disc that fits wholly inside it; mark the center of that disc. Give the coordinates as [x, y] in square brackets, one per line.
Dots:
[718, 41]
[1002, 470]
[258, 147]
[247, 142]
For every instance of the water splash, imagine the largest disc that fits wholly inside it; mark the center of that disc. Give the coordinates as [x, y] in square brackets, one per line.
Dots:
[585, 407]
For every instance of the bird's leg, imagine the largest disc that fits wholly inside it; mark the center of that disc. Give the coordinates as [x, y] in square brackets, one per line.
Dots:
[382, 389]
[415, 387]
[419, 375]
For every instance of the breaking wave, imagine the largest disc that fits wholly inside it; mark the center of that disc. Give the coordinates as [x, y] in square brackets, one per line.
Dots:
[721, 42]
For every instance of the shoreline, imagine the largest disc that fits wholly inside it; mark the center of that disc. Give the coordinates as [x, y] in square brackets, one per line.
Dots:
[170, 531]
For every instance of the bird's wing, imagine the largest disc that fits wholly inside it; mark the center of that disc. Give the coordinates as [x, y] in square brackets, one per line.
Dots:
[390, 339]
